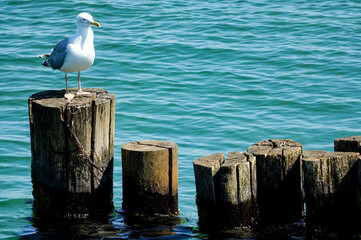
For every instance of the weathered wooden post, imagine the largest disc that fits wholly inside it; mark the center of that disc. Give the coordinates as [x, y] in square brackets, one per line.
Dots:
[226, 190]
[348, 144]
[150, 177]
[206, 171]
[330, 181]
[72, 153]
[315, 185]
[279, 184]
[352, 144]
[238, 197]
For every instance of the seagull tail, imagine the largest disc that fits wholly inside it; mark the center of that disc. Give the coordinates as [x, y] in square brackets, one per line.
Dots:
[45, 63]
[46, 56]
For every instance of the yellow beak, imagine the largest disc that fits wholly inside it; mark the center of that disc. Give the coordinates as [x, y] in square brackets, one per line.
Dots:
[95, 23]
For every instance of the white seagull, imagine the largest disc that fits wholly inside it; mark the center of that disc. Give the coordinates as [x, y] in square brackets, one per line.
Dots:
[74, 54]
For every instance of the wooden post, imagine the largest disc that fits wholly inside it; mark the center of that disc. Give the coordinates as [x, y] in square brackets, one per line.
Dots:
[315, 185]
[352, 144]
[226, 194]
[348, 144]
[279, 185]
[206, 171]
[150, 177]
[238, 203]
[330, 181]
[72, 153]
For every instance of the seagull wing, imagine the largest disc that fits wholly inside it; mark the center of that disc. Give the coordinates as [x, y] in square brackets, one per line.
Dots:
[57, 57]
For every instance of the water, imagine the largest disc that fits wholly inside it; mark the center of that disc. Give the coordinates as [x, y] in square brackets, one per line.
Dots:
[211, 76]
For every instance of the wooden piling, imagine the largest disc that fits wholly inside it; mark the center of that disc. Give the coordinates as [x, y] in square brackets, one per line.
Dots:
[279, 185]
[150, 177]
[330, 183]
[226, 194]
[206, 171]
[238, 199]
[352, 144]
[348, 144]
[315, 168]
[72, 153]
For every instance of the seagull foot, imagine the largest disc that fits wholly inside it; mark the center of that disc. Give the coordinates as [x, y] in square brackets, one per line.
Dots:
[81, 93]
[69, 96]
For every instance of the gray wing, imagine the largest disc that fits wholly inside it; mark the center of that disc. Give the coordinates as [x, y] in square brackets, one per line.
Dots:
[57, 57]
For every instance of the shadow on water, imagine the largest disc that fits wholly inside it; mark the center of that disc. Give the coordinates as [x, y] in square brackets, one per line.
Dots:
[117, 226]
[120, 226]
[292, 231]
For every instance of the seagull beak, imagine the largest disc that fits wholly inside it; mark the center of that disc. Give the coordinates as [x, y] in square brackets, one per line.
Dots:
[95, 23]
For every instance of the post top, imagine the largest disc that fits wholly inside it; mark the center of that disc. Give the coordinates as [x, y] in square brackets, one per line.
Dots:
[272, 145]
[352, 138]
[55, 98]
[313, 154]
[149, 146]
[211, 160]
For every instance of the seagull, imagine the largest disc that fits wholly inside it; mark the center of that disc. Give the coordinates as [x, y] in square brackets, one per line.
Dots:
[74, 54]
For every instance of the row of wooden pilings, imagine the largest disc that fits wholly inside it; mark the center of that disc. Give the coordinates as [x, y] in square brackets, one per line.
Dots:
[272, 181]
[72, 147]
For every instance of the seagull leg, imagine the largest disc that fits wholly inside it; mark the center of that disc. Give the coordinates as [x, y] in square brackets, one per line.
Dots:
[66, 83]
[80, 91]
[68, 95]
[79, 84]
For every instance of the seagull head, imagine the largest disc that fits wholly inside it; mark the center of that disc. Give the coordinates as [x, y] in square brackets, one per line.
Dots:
[85, 20]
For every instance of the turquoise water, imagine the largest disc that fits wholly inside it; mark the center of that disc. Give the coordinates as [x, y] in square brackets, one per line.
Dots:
[211, 76]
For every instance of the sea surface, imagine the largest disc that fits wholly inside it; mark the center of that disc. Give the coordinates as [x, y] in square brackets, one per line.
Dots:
[211, 76]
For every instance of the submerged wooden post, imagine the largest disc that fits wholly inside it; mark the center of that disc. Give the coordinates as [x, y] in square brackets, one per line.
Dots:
[72, 153]
[226, 190]
[150, 177]
[279, 185]
[330, 182]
